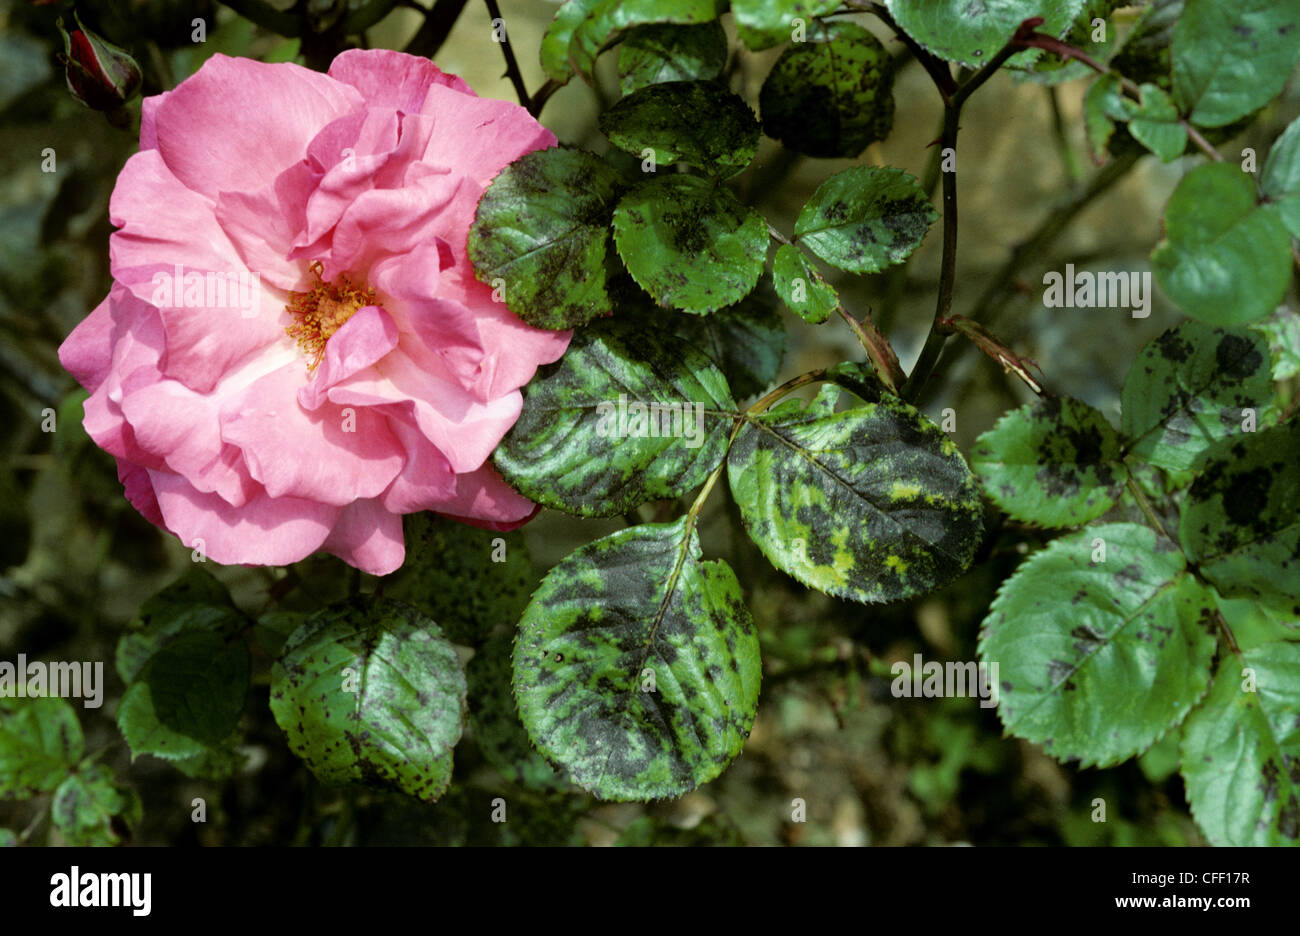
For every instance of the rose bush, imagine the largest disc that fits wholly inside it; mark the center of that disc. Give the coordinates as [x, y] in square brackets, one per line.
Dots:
[295, 351]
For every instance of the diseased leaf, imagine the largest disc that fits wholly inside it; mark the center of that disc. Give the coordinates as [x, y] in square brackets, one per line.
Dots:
[654, 54]
[1282, 329]
[90, 808]
[690, 243]
[1225, 260]
[637, 664]
[699, 122]
[467, 579]
[1241, 747]
[865, 219]
[761, 24]
[1232, 58]
[746, 341]
[1189, 388]
[1241, 521]
[1281, 178]
[972, 33]
[368, 691]
[40, 742]
[1103, 642]
[1055, 462]
[831, 95]
[873, 504]
[629, 414]
[801, 287]
[541, 234]
[495, 723]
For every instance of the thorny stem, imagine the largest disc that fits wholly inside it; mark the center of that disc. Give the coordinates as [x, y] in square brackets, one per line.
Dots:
[941, 326]
[512, 67]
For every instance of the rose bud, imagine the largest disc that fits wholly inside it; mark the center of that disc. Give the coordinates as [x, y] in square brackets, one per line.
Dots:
[100, 75]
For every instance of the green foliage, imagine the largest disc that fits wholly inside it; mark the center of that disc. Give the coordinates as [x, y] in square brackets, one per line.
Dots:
[637, 664]
[1055, 463]
[653, 54]
[746, 341]
[40, 740]
[1231, 58]
[1280, 181]
[1156, 123]
[1240, 748]
[831, 95]
[90, 808]
[801, 287]
[698, 122]
[972, 34]
[762, 24]
[541, 234]
[371, 692]
[1225, 259]
[865, 219]
[690, 244]
[873, 504]
[1103, 642]
[588, 440]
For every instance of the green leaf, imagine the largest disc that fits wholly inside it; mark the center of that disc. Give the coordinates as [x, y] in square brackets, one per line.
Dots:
[368, 691]
[1224, 260]
[746, 340]
[761, 24]
[1281, 178]
[690, 243]
[1253, 624]
[972, 33]
[1230, 59]
[1103, 642]
[637, 664]
[467, 579]
[555, 43]
[1189, 388]
[801, 287]
[1282, 329]
[606, 22]
[1155, 123]
[1241, 521]
[1240, 750]
[1102, 106]
[194, 602]
[583, 442]
[495, 723]
[1055, 462]
[865, 219]
[831, 95]
[873, 504]
[90, 808]
[40, 741]
[541, 233]
[699, 122]
[186, 703]
[655, 54]
[1051, 69]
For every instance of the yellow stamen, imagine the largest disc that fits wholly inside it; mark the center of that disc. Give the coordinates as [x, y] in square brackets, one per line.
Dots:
[321, 311]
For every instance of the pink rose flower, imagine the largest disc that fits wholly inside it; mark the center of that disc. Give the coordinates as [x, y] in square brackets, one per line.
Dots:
[295, 351]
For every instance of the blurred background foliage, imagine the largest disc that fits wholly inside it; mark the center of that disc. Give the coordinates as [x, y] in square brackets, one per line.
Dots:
[76, 561]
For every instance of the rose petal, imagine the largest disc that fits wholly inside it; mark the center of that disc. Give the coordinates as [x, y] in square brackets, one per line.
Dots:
[369, 537]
